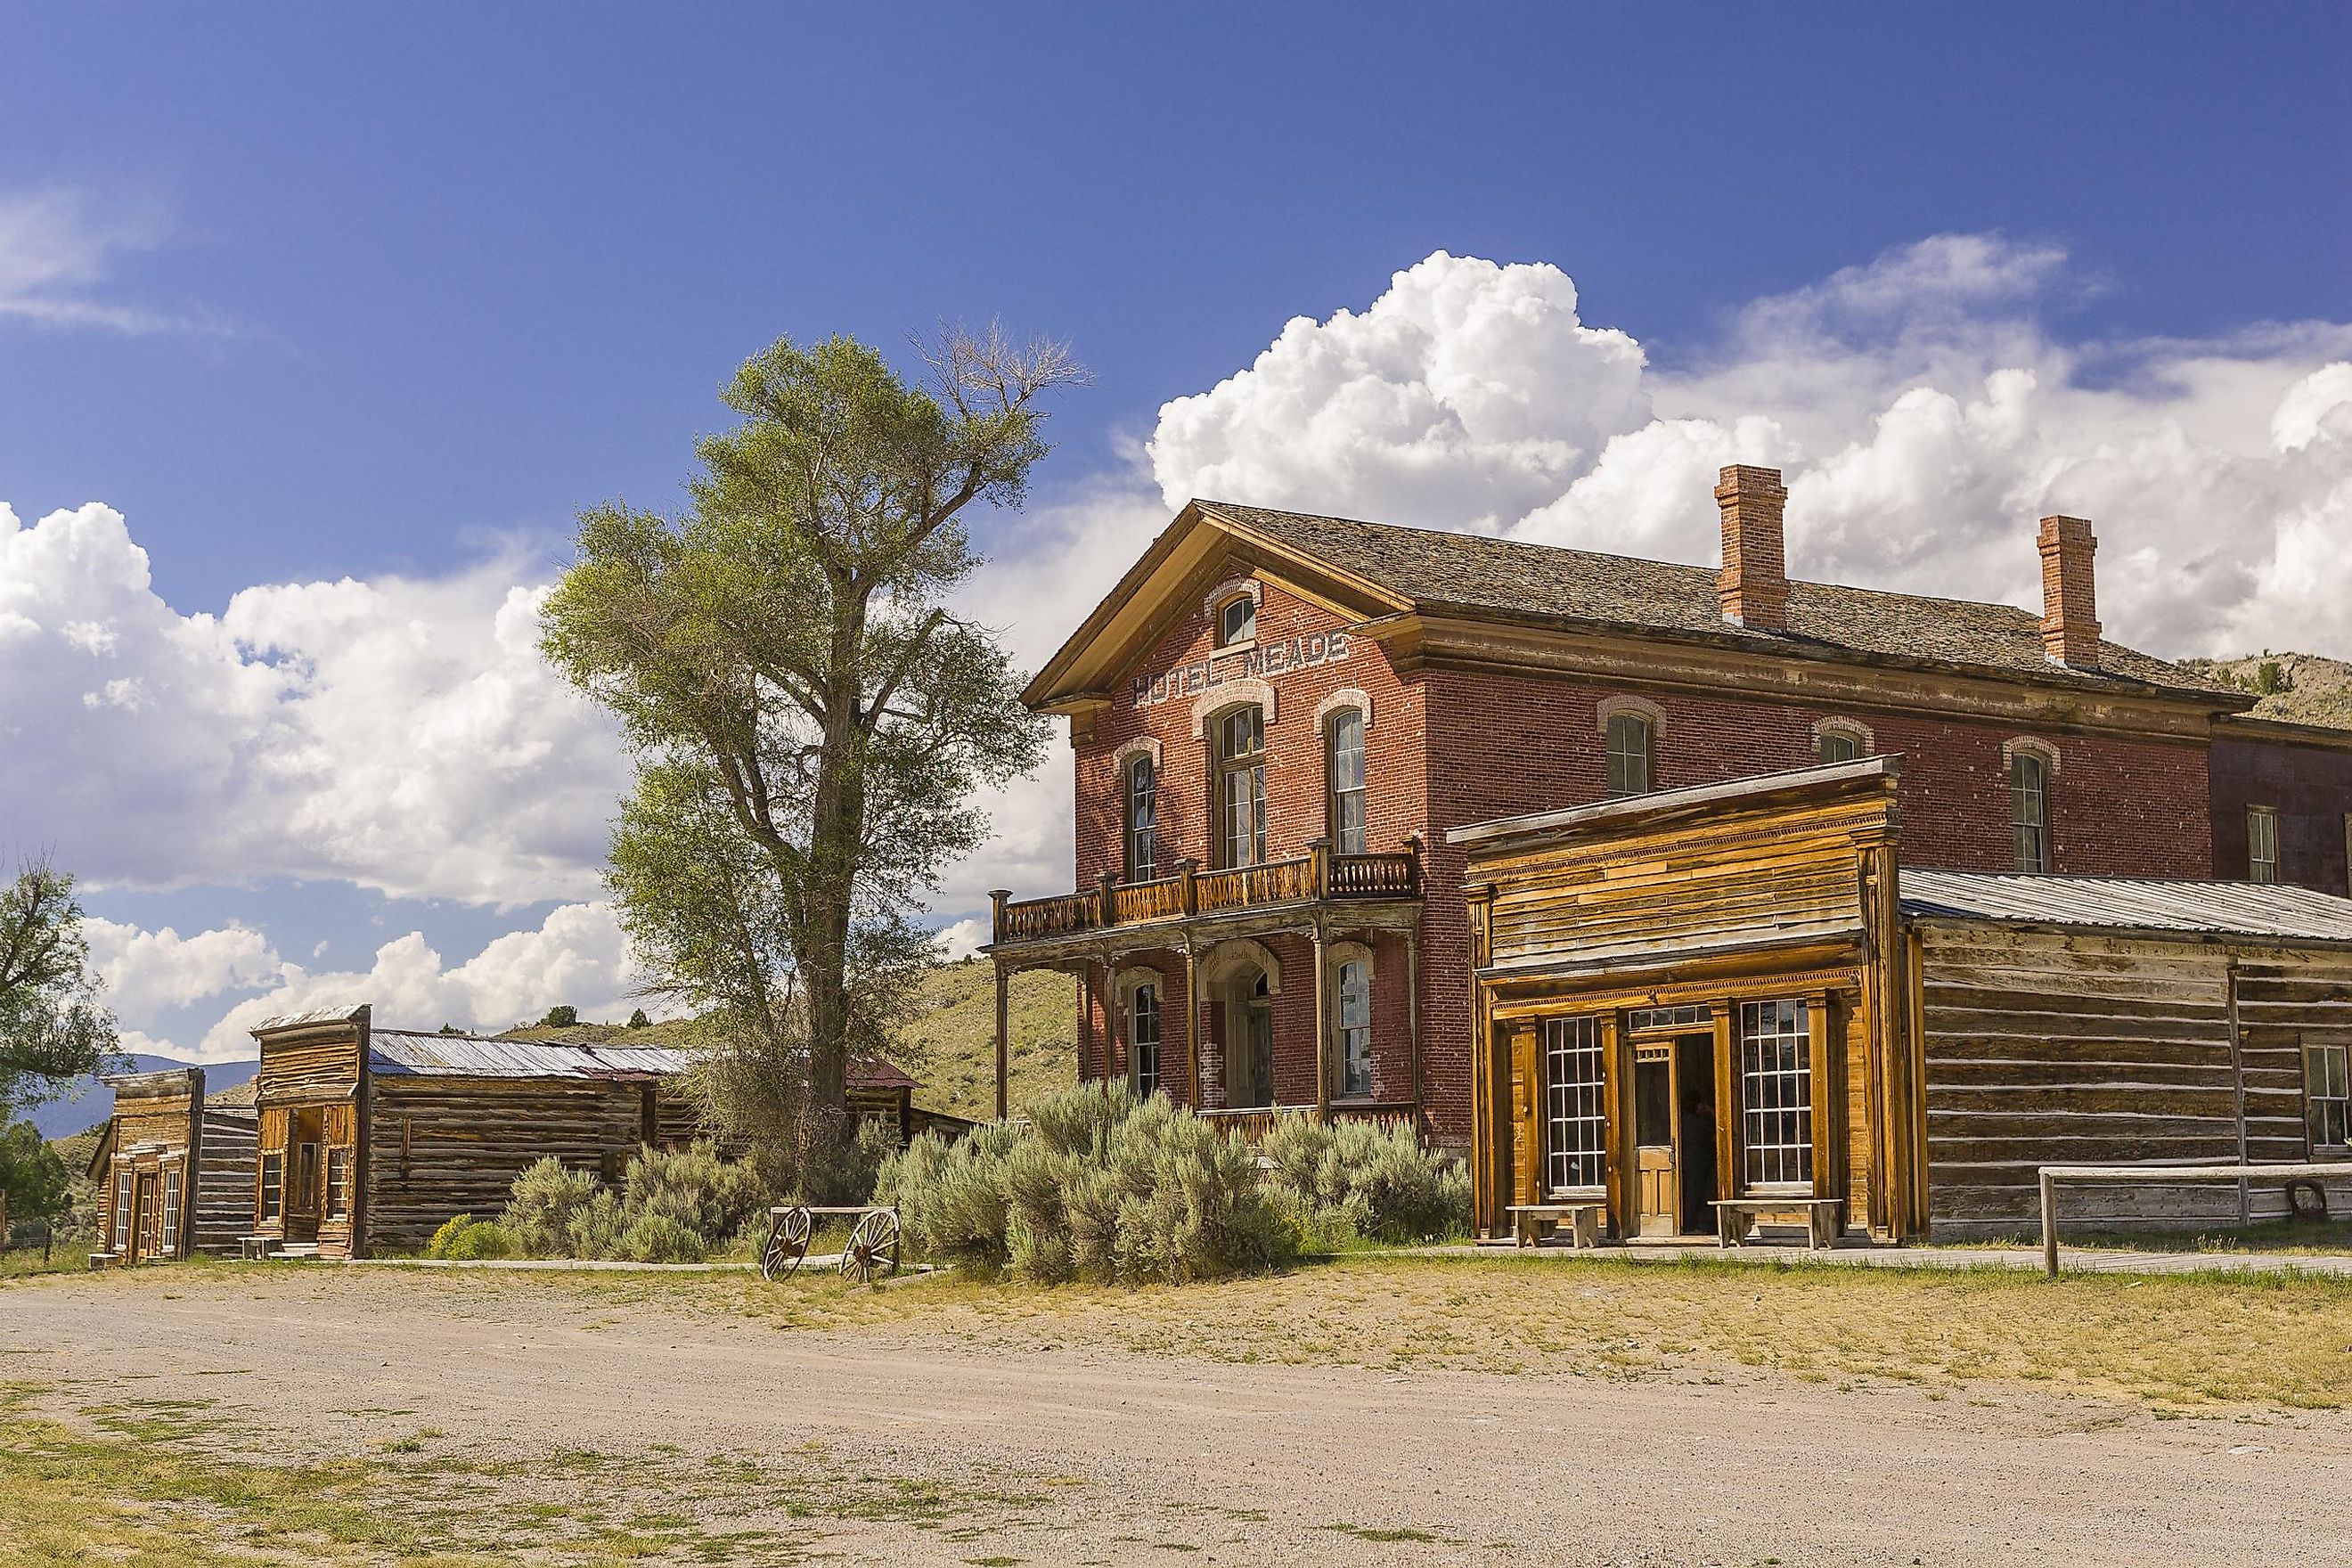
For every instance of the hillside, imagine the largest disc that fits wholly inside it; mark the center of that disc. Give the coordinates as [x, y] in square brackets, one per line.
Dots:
[2295, 688]
[948, 1042]
[95, 1101]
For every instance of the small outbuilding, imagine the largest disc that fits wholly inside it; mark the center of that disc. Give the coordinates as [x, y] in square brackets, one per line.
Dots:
[175, 1171]
[1702, 1005]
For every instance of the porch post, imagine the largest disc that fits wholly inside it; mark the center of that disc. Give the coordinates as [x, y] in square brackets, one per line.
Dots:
[1003, 1003]
[1322, 1035]
[1413, 1015]
[1085, 1017]
[1193, 1024]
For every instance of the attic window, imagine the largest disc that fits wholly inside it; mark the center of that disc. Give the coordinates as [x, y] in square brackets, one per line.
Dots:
[1237, 621]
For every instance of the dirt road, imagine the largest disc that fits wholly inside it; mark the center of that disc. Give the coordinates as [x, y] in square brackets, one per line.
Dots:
[1041, 1451]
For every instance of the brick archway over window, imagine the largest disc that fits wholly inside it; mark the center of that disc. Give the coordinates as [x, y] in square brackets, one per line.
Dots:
[1231, 695]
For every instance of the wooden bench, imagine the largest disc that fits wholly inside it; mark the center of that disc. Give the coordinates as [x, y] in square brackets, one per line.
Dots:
[250, 1248]
[1735, 1219]
[1529, 1222]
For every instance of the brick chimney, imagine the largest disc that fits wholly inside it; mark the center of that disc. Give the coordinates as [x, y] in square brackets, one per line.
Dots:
[1753, 587]
[2070, 606]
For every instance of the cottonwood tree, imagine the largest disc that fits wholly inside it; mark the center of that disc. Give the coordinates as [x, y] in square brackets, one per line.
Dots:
[53, 1027]
[811, 719]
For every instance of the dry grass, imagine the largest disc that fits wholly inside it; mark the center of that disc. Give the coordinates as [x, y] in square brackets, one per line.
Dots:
[2174, 1342]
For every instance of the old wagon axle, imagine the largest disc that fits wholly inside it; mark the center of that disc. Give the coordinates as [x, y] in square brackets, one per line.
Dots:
[872, 1248]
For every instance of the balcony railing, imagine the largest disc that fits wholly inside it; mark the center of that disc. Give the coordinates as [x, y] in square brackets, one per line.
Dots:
[1308, 879]
[1251, 1124]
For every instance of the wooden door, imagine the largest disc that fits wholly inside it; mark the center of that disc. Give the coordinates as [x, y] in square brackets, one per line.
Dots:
[147, 1217]
[1657, 1175]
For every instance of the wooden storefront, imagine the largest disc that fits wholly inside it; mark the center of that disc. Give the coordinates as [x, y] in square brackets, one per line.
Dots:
[161, 1164]
[1738, 996]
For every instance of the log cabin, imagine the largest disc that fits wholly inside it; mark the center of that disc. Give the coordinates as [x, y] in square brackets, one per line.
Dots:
[1715, 1003]
[174, 1170]
[371, 1138]
[1277, 716]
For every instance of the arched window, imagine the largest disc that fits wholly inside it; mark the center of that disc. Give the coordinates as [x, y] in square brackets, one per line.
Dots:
[1143, 1039]
[1142, 818]
[1241, 787]
[1355, 1022]
[1343, 750]
[2029, 809]
[1840, 745]
[1630, 747]
[1237, 620]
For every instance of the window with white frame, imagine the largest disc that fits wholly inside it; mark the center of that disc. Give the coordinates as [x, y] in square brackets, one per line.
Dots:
[1355, 1016]
[273, 1186]
[1237, 620]
[339, 1184]
[2029, 809]
[2262, 844]
[1142, 818]
[1631, 738]
[1575, 1111]
[1344, 766]
[1776, 1099]
[2328, 1095]
[1838, 744]
[1241, 787]
[171, 1213]
[1143, 1039]
[121, 1237]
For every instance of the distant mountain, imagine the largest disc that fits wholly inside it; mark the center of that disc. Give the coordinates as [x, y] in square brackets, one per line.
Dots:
[62, 1117]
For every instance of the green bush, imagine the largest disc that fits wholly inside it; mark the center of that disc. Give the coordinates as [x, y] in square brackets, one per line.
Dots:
[660, 1239]
[464, 1237]
[1097, 1186]
[710, 1197]
[1346, 1181]
[539, 1212]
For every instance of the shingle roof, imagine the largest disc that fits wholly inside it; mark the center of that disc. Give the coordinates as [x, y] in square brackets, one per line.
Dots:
[1488, 577]
[2217, 908]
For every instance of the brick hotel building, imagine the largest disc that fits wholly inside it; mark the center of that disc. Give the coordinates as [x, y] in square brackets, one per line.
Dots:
[1278, 717]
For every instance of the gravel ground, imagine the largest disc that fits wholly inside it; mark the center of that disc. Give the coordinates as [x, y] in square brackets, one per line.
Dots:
[1047, 1452]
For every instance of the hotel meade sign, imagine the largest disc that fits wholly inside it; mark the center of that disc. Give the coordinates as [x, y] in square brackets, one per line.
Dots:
[1261, 662]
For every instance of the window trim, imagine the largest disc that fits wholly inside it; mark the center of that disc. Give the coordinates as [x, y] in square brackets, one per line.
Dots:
[1334, 824]
[1586, 1102]
[1224, 767]
[1336, 959]
[2044, 756]
[2320, 1050]
[1139, 839]
[1647, 756]
[1866, 744]
[1214, 606]
[1758, 1175]
[2255, 862]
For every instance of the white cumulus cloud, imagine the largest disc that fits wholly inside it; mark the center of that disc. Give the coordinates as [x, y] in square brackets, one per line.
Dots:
[146, 970]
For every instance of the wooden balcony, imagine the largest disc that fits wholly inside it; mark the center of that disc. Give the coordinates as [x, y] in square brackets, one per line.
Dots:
[1312, 879]
[1251, 1124]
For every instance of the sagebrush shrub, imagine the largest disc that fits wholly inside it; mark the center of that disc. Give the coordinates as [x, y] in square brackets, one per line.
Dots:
[1351, 1179]
[542, 1205]
[463, 1238]
[1097, 1186]
[656, 1237]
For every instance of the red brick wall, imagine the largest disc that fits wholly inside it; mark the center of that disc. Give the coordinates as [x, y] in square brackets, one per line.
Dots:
[2310, 787]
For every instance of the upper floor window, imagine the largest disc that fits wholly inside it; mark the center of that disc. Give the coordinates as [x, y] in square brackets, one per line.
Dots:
[1344, 747]
[2262, 844]
[1630, 747]
[2029, 809]
[1241, 787]
[1237, 620]
[1142, 819]
[2328, 1095]
[1355, 1016]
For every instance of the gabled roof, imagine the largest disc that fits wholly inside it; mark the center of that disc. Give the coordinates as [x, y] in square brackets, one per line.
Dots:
[1374, 569]
[2131, 903]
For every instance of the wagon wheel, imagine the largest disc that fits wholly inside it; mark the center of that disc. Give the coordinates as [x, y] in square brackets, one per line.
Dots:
[788, 1239]
[872, 1248]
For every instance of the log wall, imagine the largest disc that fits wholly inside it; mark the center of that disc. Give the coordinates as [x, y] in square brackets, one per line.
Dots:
[224, 1206]
[2071, 1048]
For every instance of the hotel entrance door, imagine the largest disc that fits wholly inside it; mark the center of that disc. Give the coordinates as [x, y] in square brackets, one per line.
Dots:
[1673, 1135]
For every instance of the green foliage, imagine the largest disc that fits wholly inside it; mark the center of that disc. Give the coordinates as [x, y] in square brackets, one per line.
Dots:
[2271, 677]
[1097, 1186]
[663, 1238]
[706, 1195]
[810, 721]
[466, 1237]
[37, 1189]
[637, 1020]
[1349, 1180]
[545, 1199]
[565, 1017]
[53, 1029]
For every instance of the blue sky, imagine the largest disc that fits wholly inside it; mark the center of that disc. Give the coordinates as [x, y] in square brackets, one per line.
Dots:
[392, 295]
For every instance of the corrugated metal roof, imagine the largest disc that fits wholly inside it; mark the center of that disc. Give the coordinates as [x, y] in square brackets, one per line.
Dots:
[2217, 908]
[403, 1052]
[339, 1015]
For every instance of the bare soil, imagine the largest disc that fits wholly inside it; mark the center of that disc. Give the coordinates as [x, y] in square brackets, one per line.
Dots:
[1029, 1444]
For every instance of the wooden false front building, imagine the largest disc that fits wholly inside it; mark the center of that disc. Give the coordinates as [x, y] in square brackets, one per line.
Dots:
[373, 1138]
[173, 1171]
[1710, 1005]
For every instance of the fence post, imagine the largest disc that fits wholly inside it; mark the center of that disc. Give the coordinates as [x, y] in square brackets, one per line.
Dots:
[2049, 1222]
